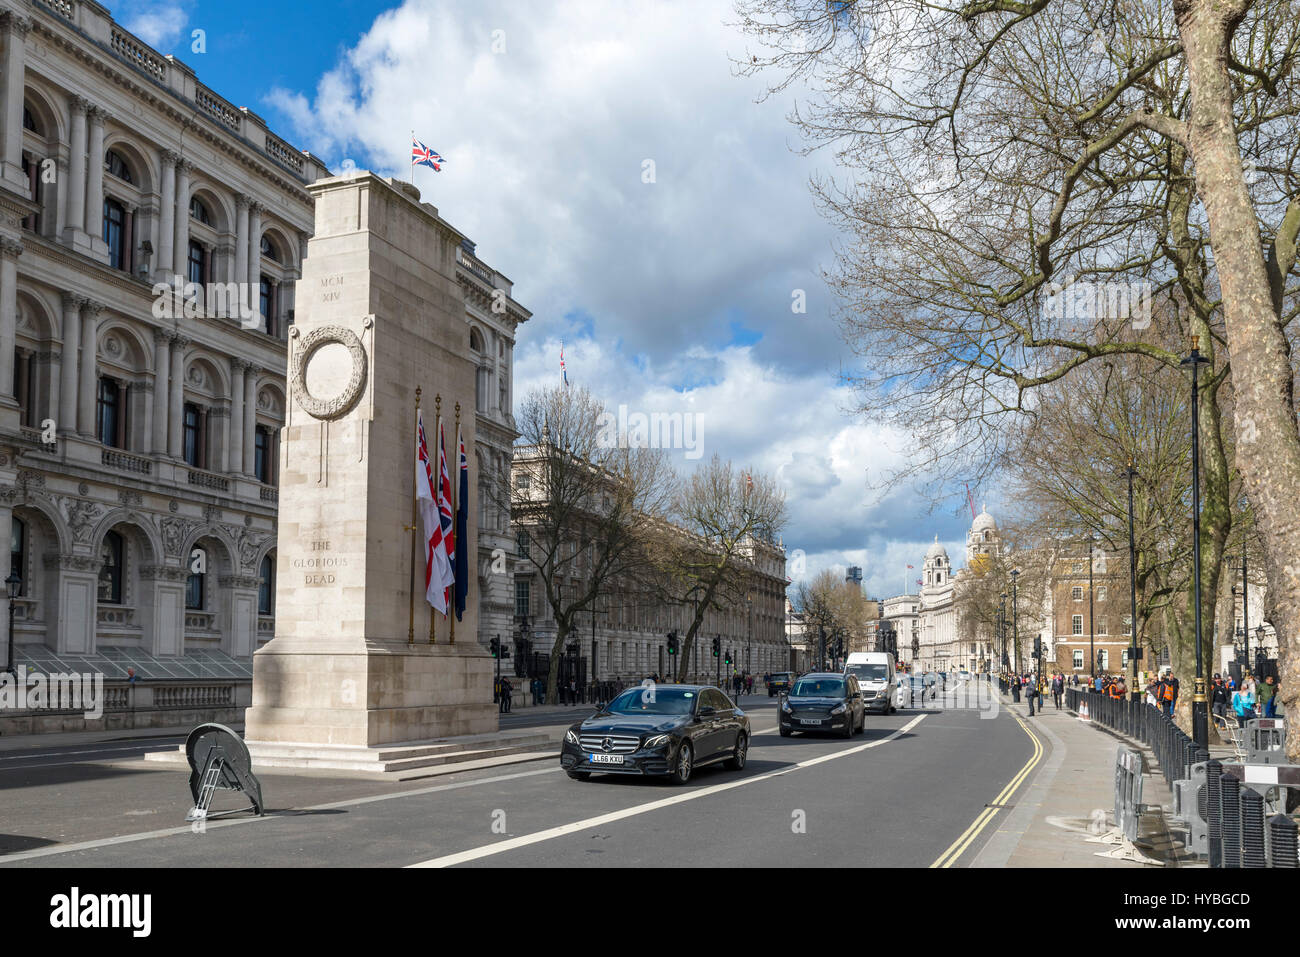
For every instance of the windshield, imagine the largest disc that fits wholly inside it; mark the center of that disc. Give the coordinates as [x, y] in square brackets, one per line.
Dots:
[656, 700]
[819, 688]
[869, 672]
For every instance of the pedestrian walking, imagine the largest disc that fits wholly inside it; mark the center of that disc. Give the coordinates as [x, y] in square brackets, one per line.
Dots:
[1220, 699]
[507, 691]
[1264, 695]
[1015, 688]
[1031, 695]
[1058, 688]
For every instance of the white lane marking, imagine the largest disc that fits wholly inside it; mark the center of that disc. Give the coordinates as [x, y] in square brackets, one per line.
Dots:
[64, 754]
[537, 837]
[274, 815]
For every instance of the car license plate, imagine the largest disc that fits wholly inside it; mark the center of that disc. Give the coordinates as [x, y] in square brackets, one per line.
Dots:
[607, 759]
[810, 720]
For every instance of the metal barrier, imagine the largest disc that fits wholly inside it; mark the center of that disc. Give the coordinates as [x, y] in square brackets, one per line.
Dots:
[1283, 849]
[1128, 810]
[1266, 741]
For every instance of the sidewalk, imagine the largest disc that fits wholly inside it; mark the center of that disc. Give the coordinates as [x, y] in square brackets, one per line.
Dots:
[1071, 797]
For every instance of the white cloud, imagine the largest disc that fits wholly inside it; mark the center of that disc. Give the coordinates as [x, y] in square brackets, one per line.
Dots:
[158, 23]
[671, 296]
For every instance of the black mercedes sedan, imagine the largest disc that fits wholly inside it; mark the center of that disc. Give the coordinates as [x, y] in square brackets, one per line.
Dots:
[667, 730]
[823, 702]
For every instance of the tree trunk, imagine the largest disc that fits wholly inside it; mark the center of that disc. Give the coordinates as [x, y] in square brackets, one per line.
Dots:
[553, 671]
[1268, 445]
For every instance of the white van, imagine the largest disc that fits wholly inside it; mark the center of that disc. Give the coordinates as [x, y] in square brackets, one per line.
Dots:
[877, 677]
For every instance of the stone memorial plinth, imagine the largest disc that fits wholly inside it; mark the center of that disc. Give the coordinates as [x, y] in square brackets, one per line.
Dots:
[378, 313]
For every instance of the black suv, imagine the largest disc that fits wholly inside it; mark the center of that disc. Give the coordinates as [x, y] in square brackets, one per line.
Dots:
[823, 702]
[778, 682]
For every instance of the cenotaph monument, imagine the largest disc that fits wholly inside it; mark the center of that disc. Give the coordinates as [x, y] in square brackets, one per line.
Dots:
[379, 312]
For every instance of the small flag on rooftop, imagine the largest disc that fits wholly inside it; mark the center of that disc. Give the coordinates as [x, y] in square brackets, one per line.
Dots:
[421, 155]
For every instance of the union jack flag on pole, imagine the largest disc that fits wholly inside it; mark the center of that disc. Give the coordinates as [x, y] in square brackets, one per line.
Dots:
[448, 521]
[421, 155]
[437, 570]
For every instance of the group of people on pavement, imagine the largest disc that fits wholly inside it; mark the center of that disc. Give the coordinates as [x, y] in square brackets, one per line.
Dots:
[1251, 700]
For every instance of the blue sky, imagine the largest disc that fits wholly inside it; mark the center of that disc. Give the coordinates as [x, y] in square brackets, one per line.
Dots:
[670, 294]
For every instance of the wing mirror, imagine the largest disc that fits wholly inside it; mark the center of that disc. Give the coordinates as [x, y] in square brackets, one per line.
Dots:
[707, 712]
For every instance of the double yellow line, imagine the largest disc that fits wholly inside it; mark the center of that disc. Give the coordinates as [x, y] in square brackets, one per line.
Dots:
[948, 857]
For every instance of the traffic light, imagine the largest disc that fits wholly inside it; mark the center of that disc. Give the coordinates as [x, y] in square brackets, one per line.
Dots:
[717, 646]
[672, 643]
[495, 645]
[1038, 647]
[727, 660]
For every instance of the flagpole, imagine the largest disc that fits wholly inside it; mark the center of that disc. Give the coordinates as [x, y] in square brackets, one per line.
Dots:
[455, 491]
[410, 624]
[411, 174]
[437, 404]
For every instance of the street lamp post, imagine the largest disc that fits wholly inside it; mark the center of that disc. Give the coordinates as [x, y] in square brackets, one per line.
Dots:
[1134, 692]
[1245, 621]
[1200, 712]
[14, 584]
[1002, 626]
[1015, 619]
[749, 638]
[1092, 649]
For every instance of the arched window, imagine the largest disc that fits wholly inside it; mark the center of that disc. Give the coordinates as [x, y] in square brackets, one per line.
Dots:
[269, 250]
[192, 434]
[475, 340]
[266, 303]
[110, 574]
[263, 455]
[199, 211]
[266, 587]
[196, 261]
[115, 232]
[18, 552]
[29, 121]
[115, 166]
[194, 584]
[111, 413]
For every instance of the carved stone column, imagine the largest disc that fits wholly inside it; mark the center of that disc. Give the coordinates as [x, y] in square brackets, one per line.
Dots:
[176, 407]
[255, 263]
[235, 461]
[241, 247]
[181, 220]
[163, 260]
[95, 174]
[69, 374]
[76, 184]
[87, 391]
[161, 376]
[250, 418]
[15, 28]
[10, 250]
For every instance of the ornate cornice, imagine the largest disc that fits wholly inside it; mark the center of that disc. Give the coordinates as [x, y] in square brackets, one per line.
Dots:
[15, 23]
[10, 248]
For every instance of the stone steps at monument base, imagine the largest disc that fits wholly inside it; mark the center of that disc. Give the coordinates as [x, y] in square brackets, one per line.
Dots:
[396, 760]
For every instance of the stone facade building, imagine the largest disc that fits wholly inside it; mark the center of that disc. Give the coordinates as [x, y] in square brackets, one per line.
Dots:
[151, 234]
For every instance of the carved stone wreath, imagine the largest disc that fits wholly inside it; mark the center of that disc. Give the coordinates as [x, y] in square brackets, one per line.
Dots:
[341, 404]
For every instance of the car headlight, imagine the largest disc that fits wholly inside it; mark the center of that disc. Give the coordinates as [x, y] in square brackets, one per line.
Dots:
[839, 709]
[658, 741]
[570, 736]
[880, 693]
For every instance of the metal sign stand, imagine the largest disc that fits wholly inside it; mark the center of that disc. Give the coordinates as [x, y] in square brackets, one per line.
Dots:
[219, 761]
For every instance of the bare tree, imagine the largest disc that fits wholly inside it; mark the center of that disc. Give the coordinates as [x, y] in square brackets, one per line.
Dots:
[833, 606]
[1006, 154]
[584, 504]
[704, 560]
